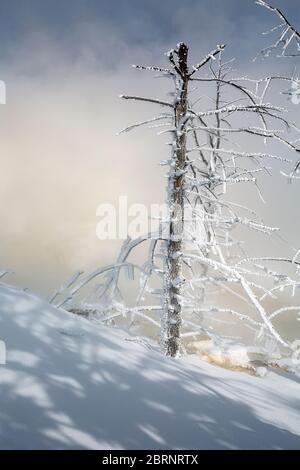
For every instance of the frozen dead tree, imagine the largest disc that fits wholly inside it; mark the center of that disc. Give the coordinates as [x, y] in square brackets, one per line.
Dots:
[178, 168]
[173, 260]
[285, 44]
[219, 141]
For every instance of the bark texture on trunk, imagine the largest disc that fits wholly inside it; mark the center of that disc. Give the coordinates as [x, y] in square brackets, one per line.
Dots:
[173, 261]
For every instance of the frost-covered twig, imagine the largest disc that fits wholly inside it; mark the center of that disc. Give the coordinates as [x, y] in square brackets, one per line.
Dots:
[288, 33]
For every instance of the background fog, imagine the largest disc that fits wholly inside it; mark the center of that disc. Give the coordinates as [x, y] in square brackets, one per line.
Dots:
[65, 63]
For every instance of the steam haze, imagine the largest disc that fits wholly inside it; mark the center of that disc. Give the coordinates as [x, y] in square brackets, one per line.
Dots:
[64, 64]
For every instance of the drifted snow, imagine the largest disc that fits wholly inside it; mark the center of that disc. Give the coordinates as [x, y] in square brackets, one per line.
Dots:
[69, 384]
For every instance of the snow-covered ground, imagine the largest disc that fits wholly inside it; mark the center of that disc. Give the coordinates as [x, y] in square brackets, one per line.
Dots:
[70, 384]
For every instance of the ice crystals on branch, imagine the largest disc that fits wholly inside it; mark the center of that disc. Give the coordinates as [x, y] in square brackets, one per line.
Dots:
[287, 34]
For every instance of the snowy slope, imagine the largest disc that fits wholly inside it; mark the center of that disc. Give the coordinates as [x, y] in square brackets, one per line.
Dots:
[69, 384]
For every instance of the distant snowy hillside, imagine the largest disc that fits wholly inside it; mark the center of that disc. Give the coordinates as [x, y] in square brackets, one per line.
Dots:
[69, 384]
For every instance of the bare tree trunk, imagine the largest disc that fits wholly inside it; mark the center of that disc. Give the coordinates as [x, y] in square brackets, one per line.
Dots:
[173, 261]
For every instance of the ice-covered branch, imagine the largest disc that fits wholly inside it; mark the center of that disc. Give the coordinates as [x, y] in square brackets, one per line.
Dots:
[288, 33]
[148, 100]
[211, 56]
[143, 123]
